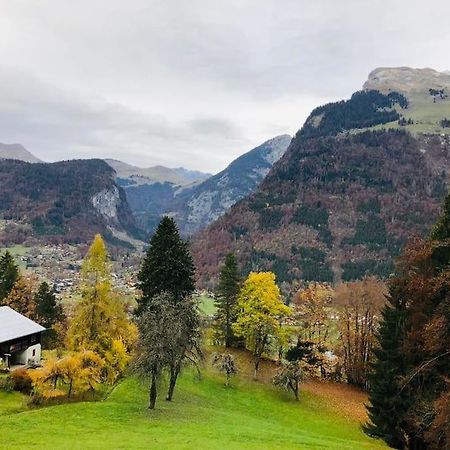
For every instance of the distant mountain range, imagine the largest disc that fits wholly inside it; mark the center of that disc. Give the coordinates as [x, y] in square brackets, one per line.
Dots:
[195, 206]
[17, 151]
[120, 198]
[358, 179]
[129, 175]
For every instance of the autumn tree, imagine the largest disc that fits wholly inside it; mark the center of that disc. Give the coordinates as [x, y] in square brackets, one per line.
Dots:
[9, 274]
[22, 297]
[359, 306]
[99, 317]
[167, 266]
[226, 297]
[312, 317]
[260, 312]
[419, 365]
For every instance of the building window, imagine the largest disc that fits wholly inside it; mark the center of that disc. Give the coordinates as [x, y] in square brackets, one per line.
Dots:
[34, 352]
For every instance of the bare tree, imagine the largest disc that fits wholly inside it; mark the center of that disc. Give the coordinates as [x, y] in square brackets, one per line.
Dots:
[359, 304]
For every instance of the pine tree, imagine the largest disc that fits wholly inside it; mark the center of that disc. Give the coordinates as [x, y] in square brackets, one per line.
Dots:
[167, 267]
[9, 274]
[387, 402]
[47, 309]
[227, 292]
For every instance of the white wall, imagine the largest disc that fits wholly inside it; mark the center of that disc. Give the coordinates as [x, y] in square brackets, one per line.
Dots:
[26, 355]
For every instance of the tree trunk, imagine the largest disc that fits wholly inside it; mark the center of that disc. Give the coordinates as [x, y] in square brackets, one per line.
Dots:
[256, 367]
[153, 393]
[173, 381]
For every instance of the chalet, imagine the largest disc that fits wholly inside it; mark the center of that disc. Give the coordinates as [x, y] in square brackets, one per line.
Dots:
[20, 339]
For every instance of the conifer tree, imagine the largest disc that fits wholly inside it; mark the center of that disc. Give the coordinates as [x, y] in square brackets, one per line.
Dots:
[9, 274]
[99, 317]
[227, 292]
[49, 313]
[167, 267]
[387, 401]
[47, 309]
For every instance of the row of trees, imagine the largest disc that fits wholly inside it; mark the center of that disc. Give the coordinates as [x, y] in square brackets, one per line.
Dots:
[410, 386]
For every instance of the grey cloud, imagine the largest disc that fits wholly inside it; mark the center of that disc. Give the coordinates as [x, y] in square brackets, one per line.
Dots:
[174, 82]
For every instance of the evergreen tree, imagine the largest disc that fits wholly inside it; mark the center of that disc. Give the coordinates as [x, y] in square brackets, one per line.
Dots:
[47, 309]
[387, 402]
[9, 274]
[167, 267]
[227, 292]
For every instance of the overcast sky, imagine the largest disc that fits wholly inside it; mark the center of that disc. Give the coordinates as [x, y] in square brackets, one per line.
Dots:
[194, 83]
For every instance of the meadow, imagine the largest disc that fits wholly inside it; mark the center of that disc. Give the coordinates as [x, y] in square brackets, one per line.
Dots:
[205, 414]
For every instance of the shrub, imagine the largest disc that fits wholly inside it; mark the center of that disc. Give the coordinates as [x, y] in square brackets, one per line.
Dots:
[21, 381]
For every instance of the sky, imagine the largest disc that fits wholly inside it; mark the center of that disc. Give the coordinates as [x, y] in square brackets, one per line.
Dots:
[194, 83]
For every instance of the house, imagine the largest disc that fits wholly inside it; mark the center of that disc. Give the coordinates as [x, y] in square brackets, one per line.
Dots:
[20, 339]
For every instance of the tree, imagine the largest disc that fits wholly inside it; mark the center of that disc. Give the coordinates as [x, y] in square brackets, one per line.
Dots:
[311, 313]
[359, 304]
[260, 313]
[225, 363]
[99, 316]
[22, 297]
[288, 376]
[49, 312]
[387, 402]
[185, 341]
[9, 274]
[157, 335]
[167, 266]
[227, 292]
[409, 399]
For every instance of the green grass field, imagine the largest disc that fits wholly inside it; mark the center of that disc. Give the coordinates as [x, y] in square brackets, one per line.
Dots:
[206, 305]
[204, 415]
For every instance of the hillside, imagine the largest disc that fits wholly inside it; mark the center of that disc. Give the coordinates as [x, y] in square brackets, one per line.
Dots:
[17, 151]
[204, 415]
[67, 201]
[197, 205]
[352, 186]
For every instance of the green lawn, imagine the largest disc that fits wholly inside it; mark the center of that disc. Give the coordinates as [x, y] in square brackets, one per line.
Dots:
[207, 306]
[204, 415]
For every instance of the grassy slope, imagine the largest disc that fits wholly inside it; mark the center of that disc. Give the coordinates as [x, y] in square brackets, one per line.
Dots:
[425, 114]
[205, 415]
[206, 305]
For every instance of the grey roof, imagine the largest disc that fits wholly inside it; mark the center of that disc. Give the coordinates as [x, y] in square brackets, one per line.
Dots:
[13, 325]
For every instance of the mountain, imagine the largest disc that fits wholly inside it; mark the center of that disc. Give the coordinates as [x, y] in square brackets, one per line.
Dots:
[129, 175]
[67, 201]
[358, 179]
[205, 202]
[17, 151]
[195, 206]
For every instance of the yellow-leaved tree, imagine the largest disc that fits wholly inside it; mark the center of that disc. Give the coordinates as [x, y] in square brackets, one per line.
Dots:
[100, 322]
[261, 312]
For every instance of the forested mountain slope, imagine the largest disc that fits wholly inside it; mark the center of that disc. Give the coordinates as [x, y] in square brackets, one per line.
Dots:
[355, 182]
[67, 201]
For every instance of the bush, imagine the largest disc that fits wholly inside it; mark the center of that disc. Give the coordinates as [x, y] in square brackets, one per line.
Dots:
[6, 384]
[21, 381]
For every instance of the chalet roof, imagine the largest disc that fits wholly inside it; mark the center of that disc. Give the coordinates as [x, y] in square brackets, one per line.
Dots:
[13, 325]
